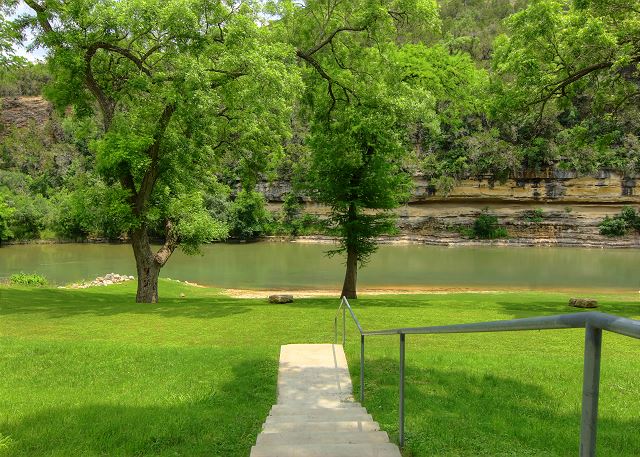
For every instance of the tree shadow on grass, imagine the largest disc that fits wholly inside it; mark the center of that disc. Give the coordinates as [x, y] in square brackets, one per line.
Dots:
[60, 303]
[56, 303]
[224, 422]
[377, 301]
[458, 413]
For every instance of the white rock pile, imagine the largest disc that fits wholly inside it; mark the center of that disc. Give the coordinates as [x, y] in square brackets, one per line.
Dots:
[106, 280]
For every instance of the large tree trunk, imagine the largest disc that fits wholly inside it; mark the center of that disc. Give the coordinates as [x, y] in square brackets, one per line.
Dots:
[149, 264]
[349, 288]
[351, 275]
[146, 265]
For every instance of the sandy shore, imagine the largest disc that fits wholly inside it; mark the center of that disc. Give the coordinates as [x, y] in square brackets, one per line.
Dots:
[309, 293]
[335, 293]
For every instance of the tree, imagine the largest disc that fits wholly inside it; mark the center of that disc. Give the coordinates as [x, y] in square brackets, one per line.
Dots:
[569, 84]
[472, 25]
[7, 36]
[248, 215]
[176, 85]
[458, 139]
[357, 112]
[23, 78]
[5, 215]
[357, 170]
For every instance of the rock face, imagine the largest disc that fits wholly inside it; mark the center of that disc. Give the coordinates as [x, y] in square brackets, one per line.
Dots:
[21, 111]
[552, 208]
[583, 303]
[280, 298]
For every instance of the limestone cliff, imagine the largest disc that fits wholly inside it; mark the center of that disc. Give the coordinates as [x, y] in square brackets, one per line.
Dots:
[571, 207]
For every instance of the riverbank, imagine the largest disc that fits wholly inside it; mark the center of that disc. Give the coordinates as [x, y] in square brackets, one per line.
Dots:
[450, 239]
[445, 238]
[392, 291]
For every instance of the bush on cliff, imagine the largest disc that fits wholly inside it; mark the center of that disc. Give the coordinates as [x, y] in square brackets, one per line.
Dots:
[621, 224]
[486, 227]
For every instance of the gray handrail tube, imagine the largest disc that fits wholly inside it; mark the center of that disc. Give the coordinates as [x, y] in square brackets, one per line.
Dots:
[344, 304]
[593, 322]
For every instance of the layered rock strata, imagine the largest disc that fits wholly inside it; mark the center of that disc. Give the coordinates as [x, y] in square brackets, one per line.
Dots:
[551, 208]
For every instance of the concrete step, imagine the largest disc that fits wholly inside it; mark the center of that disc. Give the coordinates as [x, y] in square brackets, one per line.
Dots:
[316, 403]
[328, 426]
[327, 450]
[306, 396]
[322, 417]
[322, 437]
[296, 410]
[326, 386]
[315, 415]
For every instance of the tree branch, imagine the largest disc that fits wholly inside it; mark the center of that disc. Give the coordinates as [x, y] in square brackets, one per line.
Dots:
[314, 63]
[233, 74]
[170, 244]
[559, 87]
[41, 15]
[153, 49]
[106, 104]
[124, 52]
[151, 175]
[309, 52]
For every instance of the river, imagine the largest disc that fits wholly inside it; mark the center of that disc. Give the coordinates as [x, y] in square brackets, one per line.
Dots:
[276, 265]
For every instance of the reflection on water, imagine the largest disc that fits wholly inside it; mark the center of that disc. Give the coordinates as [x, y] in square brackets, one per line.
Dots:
[293, 265]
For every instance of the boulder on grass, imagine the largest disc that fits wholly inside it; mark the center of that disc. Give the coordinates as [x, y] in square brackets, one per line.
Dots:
[583, 303]
[280, 298]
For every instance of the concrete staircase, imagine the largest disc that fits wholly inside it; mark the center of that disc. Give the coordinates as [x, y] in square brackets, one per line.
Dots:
[315, 415]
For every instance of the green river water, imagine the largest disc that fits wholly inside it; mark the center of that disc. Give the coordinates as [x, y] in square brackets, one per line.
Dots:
[275, 265]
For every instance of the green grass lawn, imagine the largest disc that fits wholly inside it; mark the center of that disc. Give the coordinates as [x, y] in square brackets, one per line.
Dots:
[89, 373]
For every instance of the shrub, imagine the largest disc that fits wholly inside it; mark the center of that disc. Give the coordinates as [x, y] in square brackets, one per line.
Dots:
[292, 219]
[71, 217]
[486, 227]
[619, 225]
[5, 215]
[24, 279]
[248, 216]
[90, 208]
[291, 214]
[613, 226]
[466, 232]
[534, 215]
[29, 215]
[631, 217]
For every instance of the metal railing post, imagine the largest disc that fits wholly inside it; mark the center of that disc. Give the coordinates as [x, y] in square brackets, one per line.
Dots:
[401, 406]
[335, 330]
[361, 368]
[344, 325]
[590, 390]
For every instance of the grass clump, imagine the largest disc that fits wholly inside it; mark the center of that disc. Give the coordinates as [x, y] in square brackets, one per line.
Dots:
[24, 279]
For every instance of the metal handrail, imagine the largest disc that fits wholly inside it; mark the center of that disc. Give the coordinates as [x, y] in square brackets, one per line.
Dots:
[593, 323]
